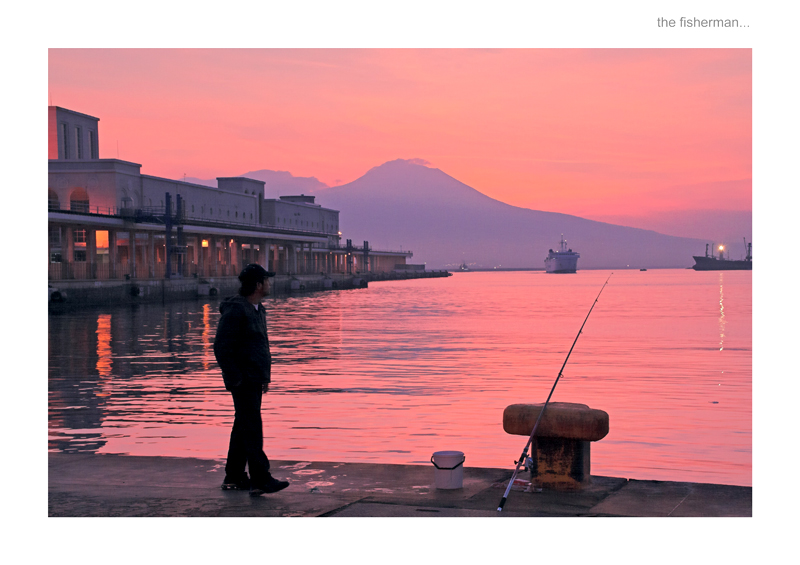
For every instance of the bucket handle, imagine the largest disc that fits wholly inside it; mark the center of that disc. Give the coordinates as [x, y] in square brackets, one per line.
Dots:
[463, 458]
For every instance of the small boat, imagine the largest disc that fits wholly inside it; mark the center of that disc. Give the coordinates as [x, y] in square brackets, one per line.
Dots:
[562, 261]
[463, 266]
[642, 269]
[712, 263]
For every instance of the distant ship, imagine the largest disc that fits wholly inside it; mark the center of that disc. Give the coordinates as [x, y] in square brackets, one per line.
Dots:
[463, 266]
[712, 263]
[562, 261]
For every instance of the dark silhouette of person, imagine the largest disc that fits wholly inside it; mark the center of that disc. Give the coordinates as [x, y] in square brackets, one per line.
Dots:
[241, 347]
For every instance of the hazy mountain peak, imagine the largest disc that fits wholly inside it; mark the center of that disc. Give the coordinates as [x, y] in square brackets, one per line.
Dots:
[401, 162]
[400, 167]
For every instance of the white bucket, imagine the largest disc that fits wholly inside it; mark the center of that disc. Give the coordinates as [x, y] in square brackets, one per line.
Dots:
[449, 472]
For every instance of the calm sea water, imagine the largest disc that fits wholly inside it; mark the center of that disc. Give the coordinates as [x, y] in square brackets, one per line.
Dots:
[397, 371]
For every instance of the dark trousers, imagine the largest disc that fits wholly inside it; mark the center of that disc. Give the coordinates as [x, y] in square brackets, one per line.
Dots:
[247, 436]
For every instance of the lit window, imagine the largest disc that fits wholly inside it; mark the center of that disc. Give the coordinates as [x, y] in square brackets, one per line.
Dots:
[204, 243]
[101, 240]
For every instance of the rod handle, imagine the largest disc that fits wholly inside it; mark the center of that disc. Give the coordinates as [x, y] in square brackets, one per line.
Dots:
[502, 503]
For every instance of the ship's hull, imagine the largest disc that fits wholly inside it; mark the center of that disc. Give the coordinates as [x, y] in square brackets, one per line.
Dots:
[557, 263]
[713, 264]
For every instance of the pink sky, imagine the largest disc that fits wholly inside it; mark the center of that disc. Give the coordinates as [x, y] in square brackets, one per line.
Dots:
[599, 133]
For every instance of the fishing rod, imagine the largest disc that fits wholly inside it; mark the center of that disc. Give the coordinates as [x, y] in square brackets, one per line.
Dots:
[524, 455]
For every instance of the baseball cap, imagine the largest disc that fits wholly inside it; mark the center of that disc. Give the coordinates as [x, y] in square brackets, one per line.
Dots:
[254, 271]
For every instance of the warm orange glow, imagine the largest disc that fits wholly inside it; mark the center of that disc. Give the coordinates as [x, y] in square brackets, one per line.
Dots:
[101, 239]
[721, 247]
[205, 243]
[104, 352]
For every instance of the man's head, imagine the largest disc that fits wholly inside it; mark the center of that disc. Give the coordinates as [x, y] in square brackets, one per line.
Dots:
[255, 280]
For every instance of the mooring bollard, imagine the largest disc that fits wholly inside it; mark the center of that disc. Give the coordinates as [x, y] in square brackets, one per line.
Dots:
[560, 452]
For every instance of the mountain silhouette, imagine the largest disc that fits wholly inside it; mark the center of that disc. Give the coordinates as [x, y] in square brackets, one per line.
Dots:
[405, 204]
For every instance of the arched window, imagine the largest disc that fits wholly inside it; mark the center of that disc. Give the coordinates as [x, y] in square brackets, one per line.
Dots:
[79, 200]
[52, 200]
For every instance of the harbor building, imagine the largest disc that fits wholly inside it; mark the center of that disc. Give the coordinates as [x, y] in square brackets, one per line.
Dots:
[109, 222]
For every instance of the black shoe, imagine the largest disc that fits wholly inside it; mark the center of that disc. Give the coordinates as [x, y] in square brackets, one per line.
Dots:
[238, 483]
[268, 486]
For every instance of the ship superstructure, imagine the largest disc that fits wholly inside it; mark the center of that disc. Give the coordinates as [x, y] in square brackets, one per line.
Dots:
[564, 260]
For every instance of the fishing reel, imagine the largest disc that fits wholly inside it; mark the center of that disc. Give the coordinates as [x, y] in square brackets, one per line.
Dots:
[527, 463]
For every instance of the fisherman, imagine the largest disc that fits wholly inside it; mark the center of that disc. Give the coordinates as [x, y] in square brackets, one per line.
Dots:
[241, 347]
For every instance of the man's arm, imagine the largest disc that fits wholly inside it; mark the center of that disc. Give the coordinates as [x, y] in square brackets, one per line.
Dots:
[226, 345]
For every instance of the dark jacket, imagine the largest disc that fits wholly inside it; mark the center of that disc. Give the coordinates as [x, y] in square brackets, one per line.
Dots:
[241, 345]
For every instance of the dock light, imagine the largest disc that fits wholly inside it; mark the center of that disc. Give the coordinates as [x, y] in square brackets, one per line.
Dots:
[721, 247]
[205, 243]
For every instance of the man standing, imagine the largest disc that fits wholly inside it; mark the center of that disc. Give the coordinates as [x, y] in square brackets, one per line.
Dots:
[241, 347]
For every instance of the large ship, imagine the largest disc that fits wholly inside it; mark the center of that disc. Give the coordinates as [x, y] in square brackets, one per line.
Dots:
[562, 261]
[712, 263]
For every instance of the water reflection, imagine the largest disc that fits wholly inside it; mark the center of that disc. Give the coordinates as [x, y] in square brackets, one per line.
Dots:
[206, 336]
[402, 369]
[721, 313]
[104, 345]
[77, 401]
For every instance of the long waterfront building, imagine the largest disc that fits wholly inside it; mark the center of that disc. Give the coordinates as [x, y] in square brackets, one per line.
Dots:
[107, 221]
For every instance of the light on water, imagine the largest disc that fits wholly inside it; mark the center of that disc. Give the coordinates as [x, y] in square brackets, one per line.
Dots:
[397, 371]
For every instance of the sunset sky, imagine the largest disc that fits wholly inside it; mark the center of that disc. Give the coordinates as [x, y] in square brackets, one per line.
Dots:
[646, 135]
[620, 135]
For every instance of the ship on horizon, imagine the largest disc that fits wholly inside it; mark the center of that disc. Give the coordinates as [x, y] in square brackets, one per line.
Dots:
[562, 261]
[711, 263]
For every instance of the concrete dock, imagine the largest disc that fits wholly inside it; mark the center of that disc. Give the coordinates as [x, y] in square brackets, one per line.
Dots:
[85, 484]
